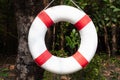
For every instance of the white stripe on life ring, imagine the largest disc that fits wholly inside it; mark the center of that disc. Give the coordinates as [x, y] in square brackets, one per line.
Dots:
[38, 48]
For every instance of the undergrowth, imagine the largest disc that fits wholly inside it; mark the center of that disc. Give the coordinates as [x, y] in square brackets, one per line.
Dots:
[101, 67]
[95, 70]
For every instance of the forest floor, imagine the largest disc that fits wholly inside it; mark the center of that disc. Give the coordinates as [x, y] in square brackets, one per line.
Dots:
[7, 67]
[110, 71]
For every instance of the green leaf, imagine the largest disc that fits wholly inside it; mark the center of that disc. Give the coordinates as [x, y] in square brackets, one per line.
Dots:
[116, 10]
[107, 18]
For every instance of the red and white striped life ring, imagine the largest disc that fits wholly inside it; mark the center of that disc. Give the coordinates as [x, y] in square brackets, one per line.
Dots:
[38, 48]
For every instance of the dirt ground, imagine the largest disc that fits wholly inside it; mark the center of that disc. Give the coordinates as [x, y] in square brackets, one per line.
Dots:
[110, 70]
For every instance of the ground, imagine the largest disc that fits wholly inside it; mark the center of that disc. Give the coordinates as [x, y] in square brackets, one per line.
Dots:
[110, 70]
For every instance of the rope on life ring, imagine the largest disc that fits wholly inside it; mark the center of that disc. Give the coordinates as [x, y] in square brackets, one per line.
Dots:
[79, 59]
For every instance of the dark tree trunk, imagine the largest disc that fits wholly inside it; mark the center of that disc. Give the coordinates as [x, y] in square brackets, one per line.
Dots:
[106, 41]
[62, 38]
[25, 12]
[114, 39]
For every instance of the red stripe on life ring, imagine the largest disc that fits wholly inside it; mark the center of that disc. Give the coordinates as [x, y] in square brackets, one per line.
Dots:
[82, 22]
[43, 57]
[80, 59]
[45, 18]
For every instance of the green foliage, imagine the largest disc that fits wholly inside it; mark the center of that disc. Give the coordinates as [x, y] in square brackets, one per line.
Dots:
[60, 53]
[4, 72]
[73, 40]
[114, 60]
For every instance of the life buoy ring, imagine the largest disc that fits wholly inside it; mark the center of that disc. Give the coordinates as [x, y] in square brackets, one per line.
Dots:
[38, 48]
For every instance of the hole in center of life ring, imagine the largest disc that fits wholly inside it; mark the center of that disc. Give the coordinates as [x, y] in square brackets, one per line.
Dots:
[62, 39]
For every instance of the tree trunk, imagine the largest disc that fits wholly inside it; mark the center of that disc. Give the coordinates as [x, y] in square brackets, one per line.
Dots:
[25, 12]
[106, 41]
[114, 40]
[61, 37]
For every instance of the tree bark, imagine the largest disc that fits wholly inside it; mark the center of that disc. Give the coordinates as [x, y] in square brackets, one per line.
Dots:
[114, 39]
[106, 41]
[25, 12]
[61, 37]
